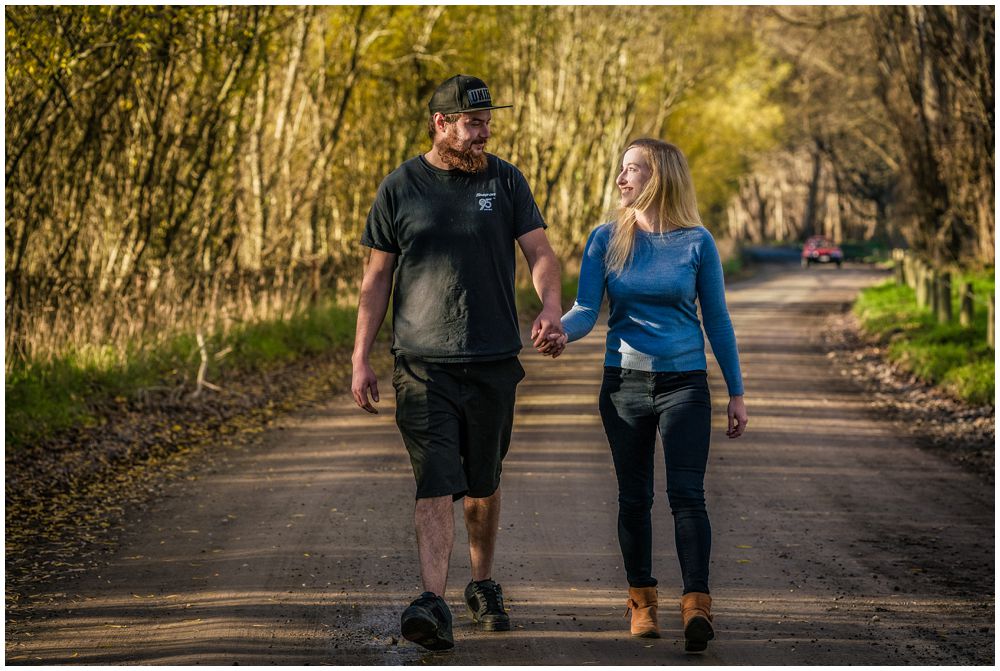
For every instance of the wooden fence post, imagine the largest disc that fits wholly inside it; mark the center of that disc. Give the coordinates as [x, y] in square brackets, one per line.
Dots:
[932, 290]
[918, 282]
[967, 306]
[898, 258]
[990, 316]
[930, 279]
[921, 286]
[942, 295]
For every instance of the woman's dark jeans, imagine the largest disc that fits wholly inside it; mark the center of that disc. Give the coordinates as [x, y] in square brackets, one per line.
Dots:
[634, 404]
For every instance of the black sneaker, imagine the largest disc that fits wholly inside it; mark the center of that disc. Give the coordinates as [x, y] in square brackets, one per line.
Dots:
[427, 622]
[485, 601]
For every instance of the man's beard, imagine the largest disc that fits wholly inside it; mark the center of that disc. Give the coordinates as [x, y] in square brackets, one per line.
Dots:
[466, 161]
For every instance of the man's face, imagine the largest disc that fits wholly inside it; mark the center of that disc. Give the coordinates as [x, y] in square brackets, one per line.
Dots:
[462, 145]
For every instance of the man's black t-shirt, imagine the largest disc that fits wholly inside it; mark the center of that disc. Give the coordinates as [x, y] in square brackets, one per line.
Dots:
[454, 235]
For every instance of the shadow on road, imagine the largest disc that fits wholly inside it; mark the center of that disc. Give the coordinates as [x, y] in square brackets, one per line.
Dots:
[835, 541]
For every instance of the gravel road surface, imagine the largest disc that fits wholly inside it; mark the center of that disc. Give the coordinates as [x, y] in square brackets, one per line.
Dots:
[836, 541]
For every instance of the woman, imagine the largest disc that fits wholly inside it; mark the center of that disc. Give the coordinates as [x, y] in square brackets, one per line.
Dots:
[655, 260]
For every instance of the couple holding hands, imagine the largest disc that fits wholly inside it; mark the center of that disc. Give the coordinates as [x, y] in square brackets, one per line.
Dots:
[442, 233]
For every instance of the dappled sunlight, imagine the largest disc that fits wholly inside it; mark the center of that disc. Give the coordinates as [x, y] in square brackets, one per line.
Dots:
[528, 401]
[806, 511]
[293, 476]
[217, 627]
[554, 419]
[549, 463]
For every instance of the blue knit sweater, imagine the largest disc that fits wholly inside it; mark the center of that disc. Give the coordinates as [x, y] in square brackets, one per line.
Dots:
[654, 323]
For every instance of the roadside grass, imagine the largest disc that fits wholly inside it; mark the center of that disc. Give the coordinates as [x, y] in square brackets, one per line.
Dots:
[44, 398]
[952, 356]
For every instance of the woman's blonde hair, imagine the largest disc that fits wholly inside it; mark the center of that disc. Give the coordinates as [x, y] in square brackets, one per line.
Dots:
[669, 191]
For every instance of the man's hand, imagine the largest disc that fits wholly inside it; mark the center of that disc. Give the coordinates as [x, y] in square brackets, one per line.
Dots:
[363, 381]
[737, 417]
[546, 323]
[376, 285]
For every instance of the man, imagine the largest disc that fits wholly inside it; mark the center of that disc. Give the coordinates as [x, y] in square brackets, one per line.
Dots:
[442, 229]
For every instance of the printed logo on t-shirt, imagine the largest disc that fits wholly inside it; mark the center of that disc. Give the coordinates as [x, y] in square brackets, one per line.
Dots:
[486, 201]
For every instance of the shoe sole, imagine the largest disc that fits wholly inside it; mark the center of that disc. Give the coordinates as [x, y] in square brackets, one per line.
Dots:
[647, 634]
[488, 626]
[697, 634]
[425, 633]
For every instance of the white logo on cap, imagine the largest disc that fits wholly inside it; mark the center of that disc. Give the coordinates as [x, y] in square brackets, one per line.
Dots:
[477, 96]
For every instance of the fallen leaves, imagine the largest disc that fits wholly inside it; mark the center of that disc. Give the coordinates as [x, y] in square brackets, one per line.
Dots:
[66, 496]
[963, 433]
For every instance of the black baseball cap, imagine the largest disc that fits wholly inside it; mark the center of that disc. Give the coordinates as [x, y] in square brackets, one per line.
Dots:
[462, 93]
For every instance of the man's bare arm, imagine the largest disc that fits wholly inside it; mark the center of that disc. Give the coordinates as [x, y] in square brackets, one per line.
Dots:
[376, 286]
[544, 267]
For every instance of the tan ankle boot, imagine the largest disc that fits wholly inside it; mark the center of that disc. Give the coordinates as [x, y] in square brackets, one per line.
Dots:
[696, 615]
[642, 606]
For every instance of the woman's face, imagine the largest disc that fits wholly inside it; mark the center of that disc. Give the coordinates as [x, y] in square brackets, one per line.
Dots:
[633, 177]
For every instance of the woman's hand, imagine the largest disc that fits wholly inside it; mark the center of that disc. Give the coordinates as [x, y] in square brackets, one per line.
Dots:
[552, 346]
[737, 413]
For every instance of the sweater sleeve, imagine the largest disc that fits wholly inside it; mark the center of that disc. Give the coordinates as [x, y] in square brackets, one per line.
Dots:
[718, 326]
[583, 315]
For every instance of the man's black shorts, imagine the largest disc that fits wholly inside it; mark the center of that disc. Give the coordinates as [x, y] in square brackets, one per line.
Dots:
[456, 420]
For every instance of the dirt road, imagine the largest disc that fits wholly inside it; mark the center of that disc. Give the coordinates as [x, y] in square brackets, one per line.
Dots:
[835, 541]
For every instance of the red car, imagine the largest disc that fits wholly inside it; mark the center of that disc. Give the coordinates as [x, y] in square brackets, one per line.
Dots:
[820, 249]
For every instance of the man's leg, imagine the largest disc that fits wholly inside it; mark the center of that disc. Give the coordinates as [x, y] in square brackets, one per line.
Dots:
[488, 401]
[482, 519]
[427, 621]
[483, 596]
[434, 519]
[427, 417]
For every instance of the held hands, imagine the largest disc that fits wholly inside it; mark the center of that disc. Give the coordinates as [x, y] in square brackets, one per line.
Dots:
[363, 380]
[552, 346]
[547, 333]
[737, 414]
